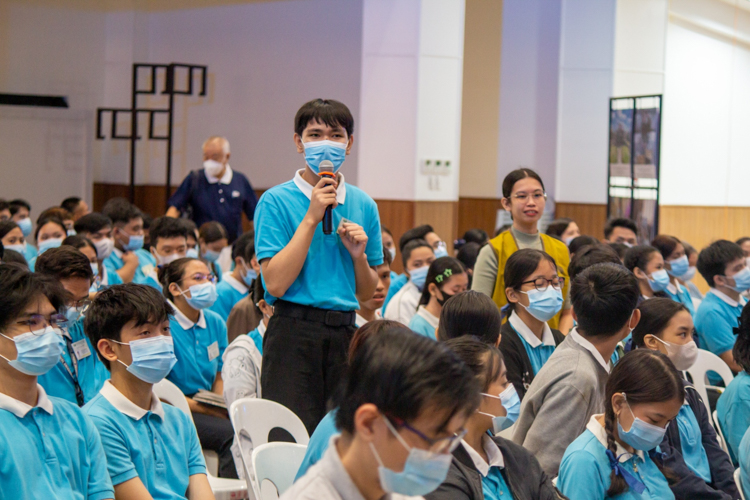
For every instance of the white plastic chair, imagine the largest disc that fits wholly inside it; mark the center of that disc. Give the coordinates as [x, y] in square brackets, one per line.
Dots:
[738, 481]
[705, 362]
[719, 433]
[223, 488]
[277, 463]
[253, 419]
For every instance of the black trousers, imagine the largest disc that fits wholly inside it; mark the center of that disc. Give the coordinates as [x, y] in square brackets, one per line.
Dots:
[217, 434]
[303, 364]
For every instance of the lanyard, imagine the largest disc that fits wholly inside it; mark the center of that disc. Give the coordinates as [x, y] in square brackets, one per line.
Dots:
[73, 373]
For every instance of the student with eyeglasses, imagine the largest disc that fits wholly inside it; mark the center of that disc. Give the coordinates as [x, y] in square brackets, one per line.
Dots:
[50, 448]
[79, 374]
[402, 412]
[524, 197]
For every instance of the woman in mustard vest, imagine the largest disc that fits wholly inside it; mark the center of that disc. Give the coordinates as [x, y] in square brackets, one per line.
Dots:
[524, 197]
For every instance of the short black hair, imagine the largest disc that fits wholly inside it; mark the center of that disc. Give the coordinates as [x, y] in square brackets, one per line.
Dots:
[20, 287]
[714, 259]
[604, 297]
[619, 222]
[240, 247]
[71, 203]
[742, 240]
[212, 231]
[78, 241]
[476, 235]
[92, 223]
[121, 211]
[468, 253]
[415, 233]
[117, 306]
[410, 247]
[639, 256]
[557, 227]
[582, 241]
[11, 256]
[18, 203]
[190, 228]
[166, 227]
[6, 226]
[64, 262]
[619, 248]
[590, 255]
[403, 374]
[656, 314]
[332, 113]
[470, 313]
[4, 205]
[515, 176]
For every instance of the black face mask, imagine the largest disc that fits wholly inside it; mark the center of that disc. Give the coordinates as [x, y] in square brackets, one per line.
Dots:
[446, 296]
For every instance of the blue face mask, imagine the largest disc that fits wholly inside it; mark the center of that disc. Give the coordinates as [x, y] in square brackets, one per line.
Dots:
[192, 253]
[317, 151]
[511, 402]
[499, 422]
[19, 247]
[641, 436]
[135, 242]
[72, 232]
[50, 243]
[25, 225]
[423, 471]
[95, 268]
[37, 352]
[72, 314]
[201, 296]
[544, 305]
[418, 276]
[153, 358]
[690, 274]
[679, 266]
[249, 276]
[741, 280]
[211, 256]
[441, 250]
[659, 280]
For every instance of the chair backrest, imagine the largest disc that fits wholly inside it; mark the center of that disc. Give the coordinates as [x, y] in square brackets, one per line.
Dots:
[719, 433]
[738, 481]
[167, 391]
[278, 463]
[705, 362]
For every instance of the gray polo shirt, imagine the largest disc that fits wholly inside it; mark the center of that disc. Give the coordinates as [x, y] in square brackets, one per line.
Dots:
[328, 480]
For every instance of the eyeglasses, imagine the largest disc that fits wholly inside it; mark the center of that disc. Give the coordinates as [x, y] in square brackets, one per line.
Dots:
[203, 277]
[438, 446]
[82, 305]
[536, 196]
[38, 322]
[541, 284]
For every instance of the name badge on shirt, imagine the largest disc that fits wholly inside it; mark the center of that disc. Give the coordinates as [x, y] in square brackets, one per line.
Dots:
[81, 349]
[213, 351]
[235, 194]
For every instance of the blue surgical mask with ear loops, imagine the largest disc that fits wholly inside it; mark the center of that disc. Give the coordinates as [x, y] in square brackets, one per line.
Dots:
[641, 435]
[679, 266]
[742, 280]
[418, 276]
[26, 226]
[659, 280]
[317, 151]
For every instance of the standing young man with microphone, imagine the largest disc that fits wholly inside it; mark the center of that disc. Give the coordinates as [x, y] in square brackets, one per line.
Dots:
[313, 279]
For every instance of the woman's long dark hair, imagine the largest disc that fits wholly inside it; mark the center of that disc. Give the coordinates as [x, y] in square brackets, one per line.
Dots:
[741, 349]
[173, 272]
[656, 314]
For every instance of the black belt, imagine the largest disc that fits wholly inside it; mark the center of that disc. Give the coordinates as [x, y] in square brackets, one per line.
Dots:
[307, 313]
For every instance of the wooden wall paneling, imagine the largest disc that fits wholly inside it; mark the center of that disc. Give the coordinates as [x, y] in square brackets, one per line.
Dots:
[589, 217]
[441, 215]
[398, 217]
[478, 213]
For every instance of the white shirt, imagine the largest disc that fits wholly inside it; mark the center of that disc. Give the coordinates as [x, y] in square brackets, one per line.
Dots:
[225, 179]
[235, 283]
[493, 454]
[307, 189]
[601, 435]
[574, 335]
[525, 332]
[360, 321]
[20, 409]
[433, 321]
[726, 298]
[184, 321]
[241, 369]
[403, 305]
[126, 406]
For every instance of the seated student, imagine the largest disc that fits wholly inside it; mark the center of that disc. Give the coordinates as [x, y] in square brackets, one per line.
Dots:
[487, 466]
[534, 293]
[79, 374]
[579, 242]
[417, 255]
[87, 248]
[49, 233]
[168, 243]
[402, 410]
[733, 406]
[687, 278]
[745, 464]
[236, 285]
[467, 255]
[127, 257]
[470, 313]
[19, 213]
[389, 244]
[212, 239]
[61, 214]
[570, 386]
[50, 449]
[4, 210]
[722, 264]
[690, 450]
[12, 237]
[372, 309]
[242, 358]
[200, 338]
[647, 264]
[620, 249]
[621, 230]
[445, 278]
[676, 264]
[98, 229]
[192, 237]
[76, 206]
[564, 229]
[644, 393]
[152, 448]
[327, 427]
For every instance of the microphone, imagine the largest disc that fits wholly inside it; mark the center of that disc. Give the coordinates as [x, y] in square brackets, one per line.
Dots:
[325, 169]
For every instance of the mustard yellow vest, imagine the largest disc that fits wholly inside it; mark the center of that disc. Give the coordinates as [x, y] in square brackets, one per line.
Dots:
[505, 244]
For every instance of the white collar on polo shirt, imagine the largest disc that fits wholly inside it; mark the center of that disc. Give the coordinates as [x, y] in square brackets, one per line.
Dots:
[525, 332]
[726, 298]
[494, 455]
[307, 189]
[236, 284]
[578, 339]
[126, 406]
[20, 409]
[184, 321]
[225, 179]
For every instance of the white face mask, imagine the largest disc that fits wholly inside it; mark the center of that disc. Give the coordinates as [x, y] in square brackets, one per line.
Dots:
[682, 356]
[104, 247]
[163, 260]
[213, 168]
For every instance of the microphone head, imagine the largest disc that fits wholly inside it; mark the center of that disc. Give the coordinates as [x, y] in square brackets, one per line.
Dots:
[326, 168]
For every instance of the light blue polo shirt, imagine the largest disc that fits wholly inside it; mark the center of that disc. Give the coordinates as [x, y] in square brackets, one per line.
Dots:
[228, 292]
[691, 441]
[715, 321]
[424, 323]
[92, 374]
[319, 441]
[745, 464]
[537, 350]
[681, 294]
[159, 446]
[494, 486]
[149, 277]
[199, 347]
[51, 450]
[733, 410]
[114, 262]
[257, 339]
[585, 470]
[326, 280]
[30, 253]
